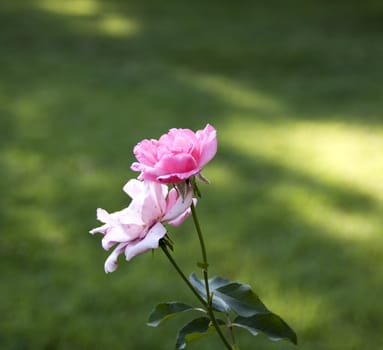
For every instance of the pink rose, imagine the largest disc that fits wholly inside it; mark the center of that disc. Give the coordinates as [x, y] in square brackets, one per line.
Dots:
[139, 227]
[176, 156]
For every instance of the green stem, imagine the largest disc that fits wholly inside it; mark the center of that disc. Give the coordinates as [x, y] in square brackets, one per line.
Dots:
[178, 269]
[209, 297]
[231, 332]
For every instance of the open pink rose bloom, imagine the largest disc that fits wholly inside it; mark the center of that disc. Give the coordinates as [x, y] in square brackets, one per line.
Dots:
[139, 227]
[176, 156]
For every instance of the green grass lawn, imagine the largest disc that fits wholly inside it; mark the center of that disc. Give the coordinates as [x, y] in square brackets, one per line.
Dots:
[295, 91]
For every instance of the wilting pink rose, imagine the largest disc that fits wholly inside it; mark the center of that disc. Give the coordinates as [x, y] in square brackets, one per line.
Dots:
[176, 156]
[138, 228]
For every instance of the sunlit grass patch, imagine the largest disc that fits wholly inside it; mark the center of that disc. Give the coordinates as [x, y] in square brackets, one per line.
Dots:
[233, 93]
[321, 210]
[221, 175]
[92, 15]
[329, 151]
[332, 165]
[118, 25]
[71, 7]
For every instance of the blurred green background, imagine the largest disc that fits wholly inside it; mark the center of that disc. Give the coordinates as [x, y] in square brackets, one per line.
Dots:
[295, 90]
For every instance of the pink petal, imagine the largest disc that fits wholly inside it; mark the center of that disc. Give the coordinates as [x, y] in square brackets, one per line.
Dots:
[181, 218]
[122, 233]
[208, 144]
[102, 229]
[150, 241]
[114, 235]
[179, 206]
[144, 152]
[176, 164]
[178, 140]
[152, 202]
[171, 199]
[111, 262]
[138, 166]
[147, 173]
[103, 215]
[176, 178]
[133, 188]
[158, 193]
[132, 215]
